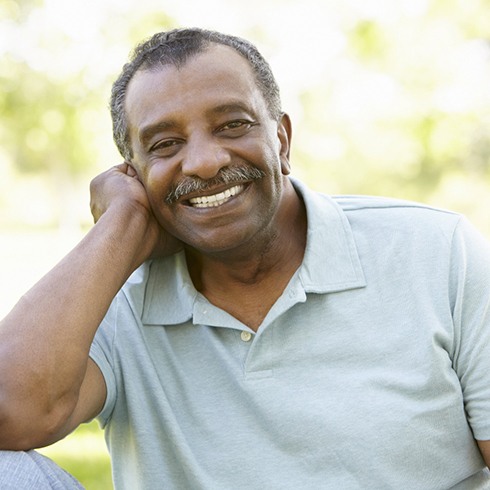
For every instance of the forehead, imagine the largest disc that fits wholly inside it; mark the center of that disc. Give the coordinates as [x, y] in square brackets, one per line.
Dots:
[219, 75]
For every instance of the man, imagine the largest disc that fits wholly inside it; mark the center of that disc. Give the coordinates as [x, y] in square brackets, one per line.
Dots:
[265, 336]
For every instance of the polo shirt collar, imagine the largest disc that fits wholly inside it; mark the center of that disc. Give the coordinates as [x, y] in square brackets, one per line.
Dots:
[331, 264]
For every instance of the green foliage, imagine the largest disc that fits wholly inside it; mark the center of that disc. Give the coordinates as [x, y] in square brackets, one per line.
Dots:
[93, 472]
[54, 88]
[401, 108]
[52, 110]
[45, 127]
[367, 40]
[406, 107]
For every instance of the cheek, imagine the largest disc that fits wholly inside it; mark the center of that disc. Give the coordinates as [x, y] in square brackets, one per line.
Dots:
[157, 180]
[276, 160]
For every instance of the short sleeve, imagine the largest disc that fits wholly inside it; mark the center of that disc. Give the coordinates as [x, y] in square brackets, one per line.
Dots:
[101, 352]
[470, 299]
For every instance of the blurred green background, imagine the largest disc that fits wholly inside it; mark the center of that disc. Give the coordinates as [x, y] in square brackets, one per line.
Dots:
[387, 97]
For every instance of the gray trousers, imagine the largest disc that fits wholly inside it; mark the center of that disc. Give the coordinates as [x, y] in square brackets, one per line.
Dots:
[29, 470]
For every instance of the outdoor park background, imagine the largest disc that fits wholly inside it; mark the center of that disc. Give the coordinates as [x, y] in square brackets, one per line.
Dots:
[387, 97]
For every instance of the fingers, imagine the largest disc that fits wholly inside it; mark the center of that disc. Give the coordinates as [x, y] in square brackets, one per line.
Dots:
[122, 167]
[130, 170]
[118, 182]
[100, 194]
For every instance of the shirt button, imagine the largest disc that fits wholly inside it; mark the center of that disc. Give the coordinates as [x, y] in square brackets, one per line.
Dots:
[245, 336]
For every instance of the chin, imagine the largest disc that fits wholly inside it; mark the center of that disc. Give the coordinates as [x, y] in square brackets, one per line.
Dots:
[215, 245]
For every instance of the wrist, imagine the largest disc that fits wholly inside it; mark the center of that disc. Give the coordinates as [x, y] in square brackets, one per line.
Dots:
[132, 231]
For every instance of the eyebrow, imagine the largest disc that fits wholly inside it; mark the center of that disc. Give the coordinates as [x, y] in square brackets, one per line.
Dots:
[230, 107]
[151, 130]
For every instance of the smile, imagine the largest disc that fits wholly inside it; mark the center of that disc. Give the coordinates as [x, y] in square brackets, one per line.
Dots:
[216, 199]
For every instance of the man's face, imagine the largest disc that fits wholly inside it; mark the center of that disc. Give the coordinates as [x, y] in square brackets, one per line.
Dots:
[195, 124]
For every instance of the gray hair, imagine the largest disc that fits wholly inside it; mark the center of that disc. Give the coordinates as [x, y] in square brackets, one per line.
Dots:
[175, 47]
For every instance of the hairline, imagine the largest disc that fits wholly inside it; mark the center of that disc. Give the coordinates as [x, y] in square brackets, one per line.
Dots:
[153, 66]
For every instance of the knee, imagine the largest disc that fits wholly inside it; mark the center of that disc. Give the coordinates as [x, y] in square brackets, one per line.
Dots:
[18, 470]
[29, 470]
[9, 460]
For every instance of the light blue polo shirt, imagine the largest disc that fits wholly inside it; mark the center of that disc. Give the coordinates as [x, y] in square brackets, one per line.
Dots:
[371, 371]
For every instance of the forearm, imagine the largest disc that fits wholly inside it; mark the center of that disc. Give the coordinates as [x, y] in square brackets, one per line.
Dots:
[485, 451]
[45, 340]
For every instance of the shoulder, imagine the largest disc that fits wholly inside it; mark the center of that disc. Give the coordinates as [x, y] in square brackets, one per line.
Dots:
[376, 209]
[376, 214]
[376, 204]
[381, 220]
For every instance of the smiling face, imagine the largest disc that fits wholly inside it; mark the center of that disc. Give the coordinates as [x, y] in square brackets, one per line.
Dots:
[212, 159]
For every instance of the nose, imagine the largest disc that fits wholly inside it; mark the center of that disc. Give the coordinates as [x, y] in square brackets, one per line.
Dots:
[204, 157]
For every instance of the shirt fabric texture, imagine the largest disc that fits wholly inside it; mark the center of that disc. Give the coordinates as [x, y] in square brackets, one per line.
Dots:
[371, 371]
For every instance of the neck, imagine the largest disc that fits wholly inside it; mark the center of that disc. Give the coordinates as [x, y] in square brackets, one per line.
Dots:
[259, 270]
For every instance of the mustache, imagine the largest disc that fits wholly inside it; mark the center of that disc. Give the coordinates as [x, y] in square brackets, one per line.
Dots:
[226, 176]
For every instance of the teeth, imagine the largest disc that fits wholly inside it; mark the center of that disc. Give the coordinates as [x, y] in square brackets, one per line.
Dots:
[216, 199]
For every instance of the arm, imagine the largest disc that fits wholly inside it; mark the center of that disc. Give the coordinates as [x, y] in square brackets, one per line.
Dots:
[485, 451]
[48, 384]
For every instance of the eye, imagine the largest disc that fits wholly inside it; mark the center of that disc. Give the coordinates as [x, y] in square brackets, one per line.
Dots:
[166, 147]
[236, 127]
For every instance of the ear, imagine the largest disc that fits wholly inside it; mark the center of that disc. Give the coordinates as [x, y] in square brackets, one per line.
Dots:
[137, 168]
[284, 133]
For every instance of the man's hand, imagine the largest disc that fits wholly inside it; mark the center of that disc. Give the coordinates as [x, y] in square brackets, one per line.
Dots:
[120, 188]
